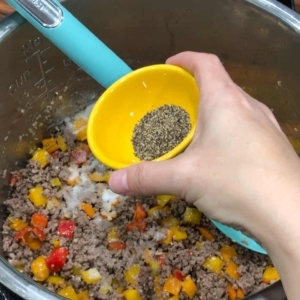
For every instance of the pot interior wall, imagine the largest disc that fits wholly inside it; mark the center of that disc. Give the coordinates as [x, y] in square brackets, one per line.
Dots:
[39, 86]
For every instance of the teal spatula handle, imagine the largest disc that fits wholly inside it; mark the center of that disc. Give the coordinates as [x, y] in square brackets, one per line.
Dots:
[73, 38]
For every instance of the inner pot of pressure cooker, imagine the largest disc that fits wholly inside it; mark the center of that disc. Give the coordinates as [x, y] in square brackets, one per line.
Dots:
[63, 231]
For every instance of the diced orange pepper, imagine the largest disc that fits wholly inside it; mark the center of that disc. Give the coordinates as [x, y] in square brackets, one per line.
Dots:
[189, 287]
[88, 209]
[17, 224]
[214, 264]
[172, 285]
[118, 245]
[231, 292]
[157, 287]
[98, 177]
[84, 295]
[39, 220]
[207, 234]
[50, 145]
[33, 243]
[228, 253]
[139, 225]
[240, 294]
[270, 274]
[231, 270]
[139, 213]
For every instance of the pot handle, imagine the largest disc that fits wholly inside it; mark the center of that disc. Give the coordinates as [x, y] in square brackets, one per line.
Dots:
[58, 25]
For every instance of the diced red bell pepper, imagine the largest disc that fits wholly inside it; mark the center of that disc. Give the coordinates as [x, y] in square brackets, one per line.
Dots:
[79, 154]
[22, 235]
[39, 233]
[162, 260]
[66, 228]
[15, 178]
[118, 245]
[57, 259]
[178, 274]
[139, 213]
[139, 225]
[39, 220]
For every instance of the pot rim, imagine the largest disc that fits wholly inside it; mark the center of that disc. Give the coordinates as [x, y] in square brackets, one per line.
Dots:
[25, 287]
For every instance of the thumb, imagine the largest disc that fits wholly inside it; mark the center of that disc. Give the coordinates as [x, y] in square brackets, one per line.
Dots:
[148, 179]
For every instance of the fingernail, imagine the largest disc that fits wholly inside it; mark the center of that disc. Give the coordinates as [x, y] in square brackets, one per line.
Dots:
[118, 182]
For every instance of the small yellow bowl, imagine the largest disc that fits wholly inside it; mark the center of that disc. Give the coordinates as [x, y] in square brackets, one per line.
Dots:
[126, 102]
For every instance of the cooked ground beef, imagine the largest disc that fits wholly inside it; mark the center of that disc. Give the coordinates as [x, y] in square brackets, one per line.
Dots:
[89, 246]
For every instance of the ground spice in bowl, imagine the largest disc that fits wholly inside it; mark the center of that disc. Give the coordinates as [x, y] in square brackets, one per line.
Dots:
[159, 131]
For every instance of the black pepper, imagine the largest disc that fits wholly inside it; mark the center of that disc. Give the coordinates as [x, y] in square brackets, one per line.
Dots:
[159, 131]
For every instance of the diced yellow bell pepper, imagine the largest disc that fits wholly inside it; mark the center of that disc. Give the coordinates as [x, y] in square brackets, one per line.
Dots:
[17, 224]
[84, 295]
[88, 209]
[270, 274]
[131, 274]
[178, 233]
[55, 182]
[192, 216]
[19, 267]
[132, 295]
[76, 271]
[231, 270]
[81, 135]
[91, 276]
[156, 209]
[56, 280]
[55, 243]
[228, 253]
[189, 287]
[112, 235]
[104, 289]
[36, 196]
[198, 245]
[55, 201]
[80, 123]
[41, 156]
[62, 144]
[169, 237]
[162, 200]
[98, 177]
[172, 285]
[50, 145]
[39, 269]
[68, 293]
[214, 264]
[207, 234]
[169, 221]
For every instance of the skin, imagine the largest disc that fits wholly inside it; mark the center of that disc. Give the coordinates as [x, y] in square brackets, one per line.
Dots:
[240, 168]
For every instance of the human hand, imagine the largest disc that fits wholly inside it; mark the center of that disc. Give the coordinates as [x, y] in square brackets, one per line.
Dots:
[237, 157]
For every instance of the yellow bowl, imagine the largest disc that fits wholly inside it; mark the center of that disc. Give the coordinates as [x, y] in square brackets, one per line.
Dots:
[126, 102]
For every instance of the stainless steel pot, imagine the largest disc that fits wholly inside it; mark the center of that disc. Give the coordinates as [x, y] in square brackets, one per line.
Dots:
[258, 40]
